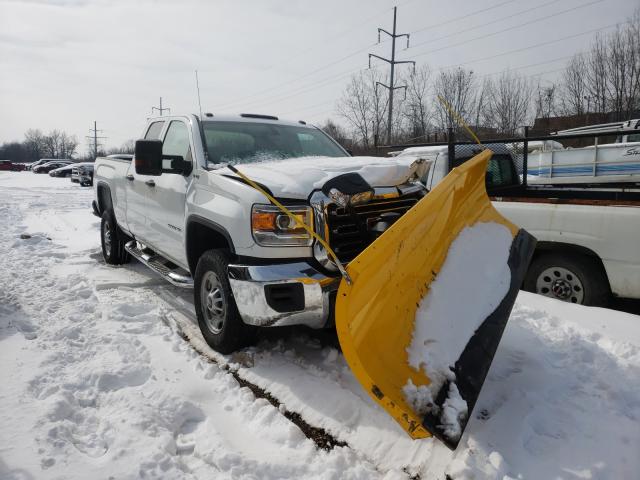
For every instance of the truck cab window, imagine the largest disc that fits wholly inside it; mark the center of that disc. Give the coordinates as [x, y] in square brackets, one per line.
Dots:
[153, 133]
[500, 172]
[176, 141]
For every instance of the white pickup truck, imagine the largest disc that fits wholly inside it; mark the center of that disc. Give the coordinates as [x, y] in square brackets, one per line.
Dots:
[179, 209]
[587, 249]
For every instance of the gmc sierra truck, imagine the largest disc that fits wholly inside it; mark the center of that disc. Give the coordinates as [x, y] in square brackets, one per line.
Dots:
[179, 209]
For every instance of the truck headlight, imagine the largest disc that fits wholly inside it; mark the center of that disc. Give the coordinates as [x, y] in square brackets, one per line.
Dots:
[273, 228]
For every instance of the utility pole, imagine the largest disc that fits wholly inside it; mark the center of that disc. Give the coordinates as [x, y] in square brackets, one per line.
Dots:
[393, 63]
[160, 109]
[95, 138]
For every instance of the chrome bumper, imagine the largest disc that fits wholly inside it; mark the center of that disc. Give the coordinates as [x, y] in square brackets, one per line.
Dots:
[248, 284]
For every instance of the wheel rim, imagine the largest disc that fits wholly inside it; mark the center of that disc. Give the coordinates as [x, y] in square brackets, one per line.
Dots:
[561, 284]
[212, 301]
[106, 234]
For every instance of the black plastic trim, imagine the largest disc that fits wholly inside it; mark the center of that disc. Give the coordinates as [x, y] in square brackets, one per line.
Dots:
[473, 365]
[258, 115]
[285, 297]
[194, 218]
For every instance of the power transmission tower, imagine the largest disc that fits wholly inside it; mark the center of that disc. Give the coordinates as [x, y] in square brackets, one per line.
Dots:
[160, 109]
[95, 138]
[391, 87]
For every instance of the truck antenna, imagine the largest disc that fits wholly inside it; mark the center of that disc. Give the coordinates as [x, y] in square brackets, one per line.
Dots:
[198, 90]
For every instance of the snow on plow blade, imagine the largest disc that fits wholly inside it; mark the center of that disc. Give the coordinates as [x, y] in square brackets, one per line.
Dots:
[429, 300]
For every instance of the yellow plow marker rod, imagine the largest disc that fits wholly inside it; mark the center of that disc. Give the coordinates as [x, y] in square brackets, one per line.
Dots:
[375, 315]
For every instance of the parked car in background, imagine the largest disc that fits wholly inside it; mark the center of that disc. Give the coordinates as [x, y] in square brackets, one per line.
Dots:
[83, 173]
[47, 167]
[64, 171]
[9, 165]
[42, 161]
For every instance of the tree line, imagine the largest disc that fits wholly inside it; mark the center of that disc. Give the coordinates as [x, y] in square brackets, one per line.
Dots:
[37, 145]
[56, 144]
[601, 84]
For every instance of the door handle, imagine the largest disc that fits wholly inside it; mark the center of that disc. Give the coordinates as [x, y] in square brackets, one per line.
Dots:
[129, 177]
[150, 183]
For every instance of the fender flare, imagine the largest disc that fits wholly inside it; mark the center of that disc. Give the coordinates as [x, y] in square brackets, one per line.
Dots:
[194, 218]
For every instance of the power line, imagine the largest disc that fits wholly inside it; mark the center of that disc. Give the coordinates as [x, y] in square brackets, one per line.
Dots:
[537, 45]
[456, 33]
[247, 100]
[250, 100]
[360, 24]
[447, 22]
[508, 29]
[331, 79]
[308, 87]
[392, 63]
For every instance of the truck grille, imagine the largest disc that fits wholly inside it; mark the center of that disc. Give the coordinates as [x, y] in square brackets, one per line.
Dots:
[349, 232]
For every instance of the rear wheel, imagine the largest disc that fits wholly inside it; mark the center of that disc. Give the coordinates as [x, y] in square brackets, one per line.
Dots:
[569, 277]
[218, 316]
[113, 240]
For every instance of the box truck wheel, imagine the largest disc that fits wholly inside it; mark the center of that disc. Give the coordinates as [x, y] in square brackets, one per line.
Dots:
[570, 277]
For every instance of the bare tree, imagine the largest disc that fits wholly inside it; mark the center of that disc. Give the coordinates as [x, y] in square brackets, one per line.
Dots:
[457, 88]
[336, 132]
[364, 107]
[573, 92]
[507, 103]
[35, 142]
[545, 101]
[67, 145]
[597, 75]
[622, 68]
[417, 112]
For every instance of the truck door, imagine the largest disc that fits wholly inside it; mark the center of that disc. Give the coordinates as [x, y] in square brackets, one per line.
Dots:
[167, 200]
[137, 187]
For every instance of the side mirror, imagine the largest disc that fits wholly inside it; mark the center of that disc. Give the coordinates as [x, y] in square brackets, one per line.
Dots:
[176, 164]
[148, 157]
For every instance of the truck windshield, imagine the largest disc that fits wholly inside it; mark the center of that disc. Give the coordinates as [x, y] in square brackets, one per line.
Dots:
[246, 142]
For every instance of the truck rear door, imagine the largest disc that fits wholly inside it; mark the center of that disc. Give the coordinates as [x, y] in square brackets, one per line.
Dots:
[137, 187]
[167, 200]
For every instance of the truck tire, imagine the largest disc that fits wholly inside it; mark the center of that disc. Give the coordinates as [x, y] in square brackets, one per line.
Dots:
[218, 316]
[113, 240]
[569, 277]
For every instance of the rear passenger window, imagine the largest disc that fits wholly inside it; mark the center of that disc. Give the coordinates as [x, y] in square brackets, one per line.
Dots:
[153, 133]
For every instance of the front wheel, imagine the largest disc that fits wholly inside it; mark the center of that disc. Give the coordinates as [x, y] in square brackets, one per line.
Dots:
[218, 316]
[568, 277]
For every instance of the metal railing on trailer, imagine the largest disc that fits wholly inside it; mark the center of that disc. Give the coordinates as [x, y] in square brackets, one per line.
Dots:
[621, 184]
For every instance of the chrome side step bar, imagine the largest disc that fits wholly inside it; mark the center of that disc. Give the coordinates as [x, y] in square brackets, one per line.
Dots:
[174, 275]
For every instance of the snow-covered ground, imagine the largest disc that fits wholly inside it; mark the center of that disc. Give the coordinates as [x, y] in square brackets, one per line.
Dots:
[105, 375]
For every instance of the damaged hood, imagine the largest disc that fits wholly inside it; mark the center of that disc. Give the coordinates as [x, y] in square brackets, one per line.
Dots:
[298, 177]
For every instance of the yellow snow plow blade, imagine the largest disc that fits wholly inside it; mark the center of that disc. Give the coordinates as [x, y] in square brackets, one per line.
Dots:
[376, 313]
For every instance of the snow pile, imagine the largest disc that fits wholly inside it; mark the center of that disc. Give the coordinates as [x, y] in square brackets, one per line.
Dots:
[298, 177]
[99, 382]
[472, 282]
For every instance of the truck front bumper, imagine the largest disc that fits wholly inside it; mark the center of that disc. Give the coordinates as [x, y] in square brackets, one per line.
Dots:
[283, 294]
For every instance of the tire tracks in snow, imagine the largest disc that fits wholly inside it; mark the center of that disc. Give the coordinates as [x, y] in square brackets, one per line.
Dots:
[319, 436]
